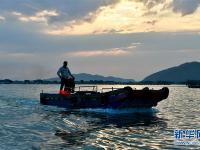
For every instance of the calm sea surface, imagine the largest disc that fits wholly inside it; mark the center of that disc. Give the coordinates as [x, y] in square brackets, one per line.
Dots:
[25, 124]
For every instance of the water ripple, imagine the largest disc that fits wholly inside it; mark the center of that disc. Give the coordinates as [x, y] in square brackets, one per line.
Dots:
[25, 124]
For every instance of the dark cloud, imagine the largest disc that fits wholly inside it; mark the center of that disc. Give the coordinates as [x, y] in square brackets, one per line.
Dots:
[67, 9]
[185, 7]
[151, 3]
[151, 22]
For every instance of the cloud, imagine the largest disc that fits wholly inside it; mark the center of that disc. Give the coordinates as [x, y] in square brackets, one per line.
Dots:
[102, 32]
[2, 18]
[41, 16]
[68, 9]
[21, 56]
[131, 16]
[108, 52]
[185, 7]
[151, 3]
[105, 52]
[66, 17]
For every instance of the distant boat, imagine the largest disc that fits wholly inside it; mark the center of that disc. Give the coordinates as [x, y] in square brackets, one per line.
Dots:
[193, 85]
[116, 98]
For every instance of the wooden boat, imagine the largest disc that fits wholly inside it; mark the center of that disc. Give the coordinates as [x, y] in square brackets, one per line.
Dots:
[116, 98]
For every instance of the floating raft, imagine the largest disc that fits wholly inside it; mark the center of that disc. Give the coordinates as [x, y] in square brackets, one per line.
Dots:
[117, 98]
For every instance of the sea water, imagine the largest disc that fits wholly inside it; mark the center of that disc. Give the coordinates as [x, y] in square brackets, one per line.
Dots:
[26, 124]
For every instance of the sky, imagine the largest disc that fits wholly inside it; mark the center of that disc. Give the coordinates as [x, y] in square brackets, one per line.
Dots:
[122, 38]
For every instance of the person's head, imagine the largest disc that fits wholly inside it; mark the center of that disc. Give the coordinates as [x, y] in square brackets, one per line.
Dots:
[65, 63]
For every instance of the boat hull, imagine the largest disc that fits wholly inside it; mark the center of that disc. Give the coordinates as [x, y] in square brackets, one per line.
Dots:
[117, 99]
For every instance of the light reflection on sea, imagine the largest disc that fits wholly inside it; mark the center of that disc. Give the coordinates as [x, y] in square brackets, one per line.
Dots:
[25, 124]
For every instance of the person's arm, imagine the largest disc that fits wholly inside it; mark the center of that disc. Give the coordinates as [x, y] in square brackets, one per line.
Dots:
[59, 73]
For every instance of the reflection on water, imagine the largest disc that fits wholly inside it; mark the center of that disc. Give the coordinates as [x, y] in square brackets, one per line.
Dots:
[106, 128]
[118, 120]
[25, 124]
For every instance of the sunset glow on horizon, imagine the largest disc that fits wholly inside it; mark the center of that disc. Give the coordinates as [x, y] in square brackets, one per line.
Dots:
[96, 36]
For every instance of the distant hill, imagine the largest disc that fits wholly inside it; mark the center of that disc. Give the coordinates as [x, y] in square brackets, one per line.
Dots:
[88, 77]
[182, 73]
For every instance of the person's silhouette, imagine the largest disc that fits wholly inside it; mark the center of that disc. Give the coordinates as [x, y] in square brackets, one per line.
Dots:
[67, 79]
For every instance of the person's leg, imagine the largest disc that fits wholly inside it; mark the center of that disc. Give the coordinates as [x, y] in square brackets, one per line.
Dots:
[62, 83]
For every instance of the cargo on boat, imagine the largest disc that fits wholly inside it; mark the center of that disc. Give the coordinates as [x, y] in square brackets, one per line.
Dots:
[116, 98]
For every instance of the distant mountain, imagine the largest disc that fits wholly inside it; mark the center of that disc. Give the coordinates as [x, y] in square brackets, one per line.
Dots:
[88, 77]
[182, 73]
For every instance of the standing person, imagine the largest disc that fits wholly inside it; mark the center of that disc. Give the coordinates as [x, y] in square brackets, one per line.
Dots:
[67, 79]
